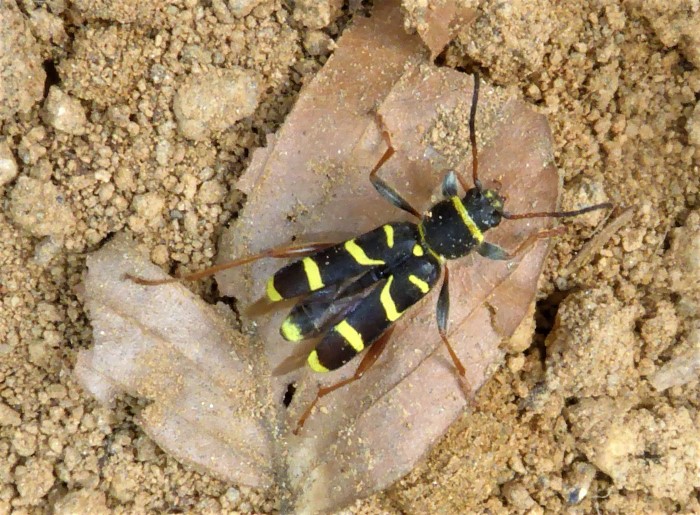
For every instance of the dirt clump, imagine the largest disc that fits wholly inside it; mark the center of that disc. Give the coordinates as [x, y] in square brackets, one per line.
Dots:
[640, 449]
[209, 104]
[64, 113]
[21, 74]
[40, 208]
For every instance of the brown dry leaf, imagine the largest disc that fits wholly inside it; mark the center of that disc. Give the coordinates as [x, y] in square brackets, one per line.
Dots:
[166, 345]
[312, 181]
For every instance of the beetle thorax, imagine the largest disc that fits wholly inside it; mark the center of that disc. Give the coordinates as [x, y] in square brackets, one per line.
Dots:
[455, 226]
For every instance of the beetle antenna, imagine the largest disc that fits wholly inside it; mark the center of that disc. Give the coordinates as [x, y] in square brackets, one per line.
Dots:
[472, 133]
[558, 214]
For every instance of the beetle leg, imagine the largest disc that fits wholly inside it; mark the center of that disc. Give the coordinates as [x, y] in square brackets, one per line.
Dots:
[368, 360]
[302, 249]
[498, 253]
[386, 191]
[443, 312]
[449, 185]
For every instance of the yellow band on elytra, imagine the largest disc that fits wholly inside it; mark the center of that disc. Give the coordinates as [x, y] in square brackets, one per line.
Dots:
[313, 274]
[291, 331]
[419, 283]
[351, 335]
[389, 231]
[272, 292]
[314, 363]
[359, 255]
[392, 313]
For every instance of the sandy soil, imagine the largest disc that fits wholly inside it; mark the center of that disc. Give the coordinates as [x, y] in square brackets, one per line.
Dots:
[103, 128]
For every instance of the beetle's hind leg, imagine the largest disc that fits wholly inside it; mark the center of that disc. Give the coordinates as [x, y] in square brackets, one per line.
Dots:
[287, 251]
[367, 322]
[443, 314]
[368, 360]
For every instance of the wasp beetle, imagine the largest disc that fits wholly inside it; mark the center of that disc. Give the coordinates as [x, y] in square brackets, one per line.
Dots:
[352, 292]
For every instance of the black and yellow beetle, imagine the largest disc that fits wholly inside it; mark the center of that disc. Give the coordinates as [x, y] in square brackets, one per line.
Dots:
[353, 292]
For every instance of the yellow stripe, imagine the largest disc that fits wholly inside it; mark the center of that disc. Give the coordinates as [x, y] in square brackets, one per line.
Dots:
[272, 292]
[392, 313]
[418, 250]
[313, 274]
[420, 283]
[359, 255]
[389, 231]
[351, 335]
[314, 363]
[291, 331]
[473, 229]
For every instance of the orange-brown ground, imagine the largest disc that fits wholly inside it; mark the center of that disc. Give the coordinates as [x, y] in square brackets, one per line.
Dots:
[591, 411]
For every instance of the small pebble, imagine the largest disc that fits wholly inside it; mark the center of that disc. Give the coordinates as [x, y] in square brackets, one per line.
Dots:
[8, 165]
[318, 43]
[316, 14]
[579, 482]
[82, 501]
[64, 113]
[517, 495]
[160, 255]
[210, 103]
[211, 192]
[46, 250]
[40, 208]
[33, 480]
[149, 206]
[692, 127]
[8, 416]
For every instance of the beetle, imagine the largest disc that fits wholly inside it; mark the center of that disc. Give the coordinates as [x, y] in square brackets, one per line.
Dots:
[351, 293]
